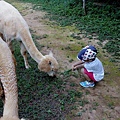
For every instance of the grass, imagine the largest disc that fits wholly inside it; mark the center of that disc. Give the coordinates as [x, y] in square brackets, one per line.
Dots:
[101, 20]
[42, 97]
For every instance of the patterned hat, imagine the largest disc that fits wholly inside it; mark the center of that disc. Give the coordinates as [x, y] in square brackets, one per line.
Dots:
[89, 55]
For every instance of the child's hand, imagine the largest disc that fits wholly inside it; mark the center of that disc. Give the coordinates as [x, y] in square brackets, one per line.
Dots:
[74, 68]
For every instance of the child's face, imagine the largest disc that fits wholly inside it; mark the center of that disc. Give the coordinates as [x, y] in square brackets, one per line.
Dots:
[88, 60]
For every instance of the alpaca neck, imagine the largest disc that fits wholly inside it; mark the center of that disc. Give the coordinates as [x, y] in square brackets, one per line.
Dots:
[11, 107]
[30, 46]
[9, 82]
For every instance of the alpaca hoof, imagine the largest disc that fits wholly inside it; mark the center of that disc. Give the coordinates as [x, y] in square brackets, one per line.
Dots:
[27, 66]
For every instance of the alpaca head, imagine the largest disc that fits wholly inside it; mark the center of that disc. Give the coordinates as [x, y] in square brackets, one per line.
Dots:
[49, 65]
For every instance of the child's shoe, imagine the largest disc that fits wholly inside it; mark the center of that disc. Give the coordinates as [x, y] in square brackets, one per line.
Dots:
[87, 84]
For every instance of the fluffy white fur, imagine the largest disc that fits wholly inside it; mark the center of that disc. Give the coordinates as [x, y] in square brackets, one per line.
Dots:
[8, 83]
[13, 26]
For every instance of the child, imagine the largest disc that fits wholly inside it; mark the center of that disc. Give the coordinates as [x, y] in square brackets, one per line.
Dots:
[91, 67]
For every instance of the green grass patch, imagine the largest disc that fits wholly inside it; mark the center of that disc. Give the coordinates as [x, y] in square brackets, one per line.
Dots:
[102, 20]
[41, 97]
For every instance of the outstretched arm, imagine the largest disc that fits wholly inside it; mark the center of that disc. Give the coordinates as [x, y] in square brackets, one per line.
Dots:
[77, 65]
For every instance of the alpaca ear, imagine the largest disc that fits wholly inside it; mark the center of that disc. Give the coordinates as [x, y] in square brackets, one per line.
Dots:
[50, 53]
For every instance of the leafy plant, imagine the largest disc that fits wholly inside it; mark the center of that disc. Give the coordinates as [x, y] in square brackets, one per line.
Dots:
[102, 20]
[40, 96]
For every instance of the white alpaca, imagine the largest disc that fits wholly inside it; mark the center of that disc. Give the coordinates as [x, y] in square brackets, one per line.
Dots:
[8, 83]
[13, 26]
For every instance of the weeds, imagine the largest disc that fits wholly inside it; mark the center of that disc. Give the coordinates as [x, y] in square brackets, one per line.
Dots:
[102, 20]
[41, 97]
[44, 98]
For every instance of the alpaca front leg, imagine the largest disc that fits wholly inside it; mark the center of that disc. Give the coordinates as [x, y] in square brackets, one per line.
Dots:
[24, 54]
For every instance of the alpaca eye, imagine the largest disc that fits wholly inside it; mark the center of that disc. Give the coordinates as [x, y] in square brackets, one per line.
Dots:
[50, 63]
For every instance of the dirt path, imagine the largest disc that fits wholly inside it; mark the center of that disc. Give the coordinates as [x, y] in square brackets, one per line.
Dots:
[104, 99]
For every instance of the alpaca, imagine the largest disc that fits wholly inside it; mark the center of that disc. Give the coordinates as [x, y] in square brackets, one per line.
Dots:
[13, 26]
[8, 83]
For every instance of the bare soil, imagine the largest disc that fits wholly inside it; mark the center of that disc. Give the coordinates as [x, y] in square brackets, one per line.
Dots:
[104, 99]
